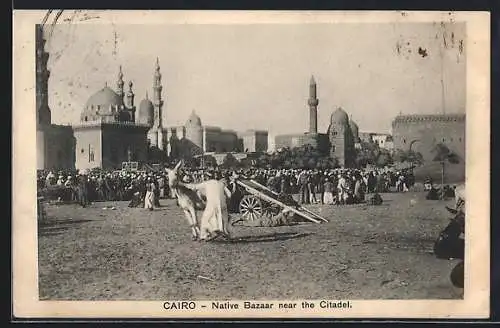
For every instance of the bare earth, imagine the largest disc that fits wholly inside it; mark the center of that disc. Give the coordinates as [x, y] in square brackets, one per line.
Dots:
[364, 252]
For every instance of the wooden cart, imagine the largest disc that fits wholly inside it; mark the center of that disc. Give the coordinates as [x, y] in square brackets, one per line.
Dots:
[258, 200]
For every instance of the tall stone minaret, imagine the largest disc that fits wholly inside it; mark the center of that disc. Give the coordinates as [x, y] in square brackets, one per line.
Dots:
[313, 107]
[130, 95]
[158, 106]
[43, 114]
[130, 100]
[120, 83]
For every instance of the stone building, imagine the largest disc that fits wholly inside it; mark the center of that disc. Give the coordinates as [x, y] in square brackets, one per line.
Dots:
[197, 138]
[341, 138]
[383, 140]
[253, 141]
[422, 132]
[109, 131]
[366, 136]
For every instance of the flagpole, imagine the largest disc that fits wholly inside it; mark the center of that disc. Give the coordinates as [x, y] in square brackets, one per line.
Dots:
[441, 56]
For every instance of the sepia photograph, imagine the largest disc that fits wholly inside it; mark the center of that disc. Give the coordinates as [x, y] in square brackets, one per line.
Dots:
[279, 165]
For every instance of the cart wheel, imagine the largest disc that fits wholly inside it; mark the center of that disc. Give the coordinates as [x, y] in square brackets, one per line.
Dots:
[250, 208]
[271, 209]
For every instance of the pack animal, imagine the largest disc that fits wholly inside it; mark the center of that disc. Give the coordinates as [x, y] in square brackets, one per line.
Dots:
[188, 200]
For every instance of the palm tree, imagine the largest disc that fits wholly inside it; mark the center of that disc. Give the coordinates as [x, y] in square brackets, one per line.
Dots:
[444, 155]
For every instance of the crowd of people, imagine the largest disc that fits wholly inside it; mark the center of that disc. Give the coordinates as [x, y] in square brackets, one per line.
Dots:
[332, 186]
[101, 185]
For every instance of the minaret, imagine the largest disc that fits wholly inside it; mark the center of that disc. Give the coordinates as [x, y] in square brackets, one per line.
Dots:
[120, 83]
[130, 95]
[43, 113]
[130, 100]
[158, 104]
[313, 107]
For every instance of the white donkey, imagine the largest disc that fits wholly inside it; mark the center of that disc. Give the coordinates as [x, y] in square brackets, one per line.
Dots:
[209, 195]
[188, 200]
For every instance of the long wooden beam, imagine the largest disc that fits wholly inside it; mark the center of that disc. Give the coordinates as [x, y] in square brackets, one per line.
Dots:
[300, 207]
[257, 193]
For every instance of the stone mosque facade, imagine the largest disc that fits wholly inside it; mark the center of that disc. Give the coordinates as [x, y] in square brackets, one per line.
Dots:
[111, 129]
[339, 140]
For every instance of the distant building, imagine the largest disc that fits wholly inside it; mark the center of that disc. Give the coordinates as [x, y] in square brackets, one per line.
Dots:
[383, 140]
[339, 141]
[366, 136]
[195, 138]
[271, 144]
[422, 133]
[341, 137]
[254, 141]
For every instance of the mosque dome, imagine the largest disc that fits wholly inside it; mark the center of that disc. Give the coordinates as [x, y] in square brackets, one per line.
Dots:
[104, 99]
[354, 129]
[339, 116]
[193, 120]
[146, 111]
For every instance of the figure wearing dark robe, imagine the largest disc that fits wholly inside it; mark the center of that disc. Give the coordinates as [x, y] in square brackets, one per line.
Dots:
[83, 191]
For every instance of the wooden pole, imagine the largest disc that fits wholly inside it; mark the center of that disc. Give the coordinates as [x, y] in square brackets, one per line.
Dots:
[257, 193]
[300, 207]
[442, 179]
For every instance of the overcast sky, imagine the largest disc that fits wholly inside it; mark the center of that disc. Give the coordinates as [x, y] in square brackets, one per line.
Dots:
[257, 76]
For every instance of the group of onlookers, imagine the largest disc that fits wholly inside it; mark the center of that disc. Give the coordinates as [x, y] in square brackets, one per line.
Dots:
[91, 186]
[329, 186]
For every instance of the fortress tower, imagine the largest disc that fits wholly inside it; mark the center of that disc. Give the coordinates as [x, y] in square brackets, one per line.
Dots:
[313, 107]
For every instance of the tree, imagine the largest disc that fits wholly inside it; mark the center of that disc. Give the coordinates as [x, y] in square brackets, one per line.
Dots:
[444, 155]
[230, 161]
[369, 153]
[210, 161]
[383, 159]
[156, 155]
[409, 156]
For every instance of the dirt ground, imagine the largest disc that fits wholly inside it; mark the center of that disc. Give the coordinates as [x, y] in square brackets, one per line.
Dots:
[364, 252]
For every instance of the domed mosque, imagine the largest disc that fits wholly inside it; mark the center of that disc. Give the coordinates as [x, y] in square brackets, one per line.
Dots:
[338, 141]
[341, 138]
[111, 133]
[146, 112]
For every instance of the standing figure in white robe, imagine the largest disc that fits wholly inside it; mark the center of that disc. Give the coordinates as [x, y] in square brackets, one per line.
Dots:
[342, 189]
[215, 218]
[460, 198]
[149, 200]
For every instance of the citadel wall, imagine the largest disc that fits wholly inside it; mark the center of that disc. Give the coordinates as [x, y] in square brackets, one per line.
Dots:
[423, 132]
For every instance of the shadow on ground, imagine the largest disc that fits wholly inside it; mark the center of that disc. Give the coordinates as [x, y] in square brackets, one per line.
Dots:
[58, 226]
[264, 238]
